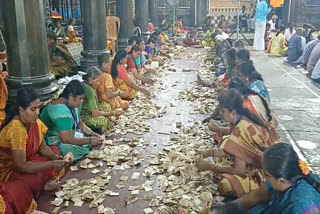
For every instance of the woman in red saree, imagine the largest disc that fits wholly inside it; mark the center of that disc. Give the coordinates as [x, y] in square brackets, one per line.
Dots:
[16, 198]
[24, 155]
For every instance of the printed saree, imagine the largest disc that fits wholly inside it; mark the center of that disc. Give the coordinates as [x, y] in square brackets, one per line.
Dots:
[246, 142]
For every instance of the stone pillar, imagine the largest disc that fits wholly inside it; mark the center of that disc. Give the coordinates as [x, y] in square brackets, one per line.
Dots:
[94, 32]
[27, 49]
[125, 13]
[154, 12]
[142, 14]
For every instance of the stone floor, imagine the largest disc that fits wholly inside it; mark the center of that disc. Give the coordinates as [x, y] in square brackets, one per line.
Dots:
[174, 82]
[296, 101]
[294, 98]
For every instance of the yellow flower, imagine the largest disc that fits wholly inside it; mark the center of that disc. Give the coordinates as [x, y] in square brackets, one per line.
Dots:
[304, 167]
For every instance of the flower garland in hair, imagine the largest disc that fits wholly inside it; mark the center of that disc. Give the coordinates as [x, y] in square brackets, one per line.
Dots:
[304, 167]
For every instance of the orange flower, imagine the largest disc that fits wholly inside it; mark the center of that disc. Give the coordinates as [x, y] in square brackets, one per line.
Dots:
[304, 168]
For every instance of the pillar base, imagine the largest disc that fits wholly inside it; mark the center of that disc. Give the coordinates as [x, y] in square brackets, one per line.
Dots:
[123, 43]
[44, 85]
[90, 58]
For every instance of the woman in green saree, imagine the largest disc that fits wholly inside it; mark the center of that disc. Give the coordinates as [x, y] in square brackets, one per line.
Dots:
[66, 130]
[95, 115]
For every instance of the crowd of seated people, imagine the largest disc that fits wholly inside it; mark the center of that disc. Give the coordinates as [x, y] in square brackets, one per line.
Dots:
[296, 44]
[34, 142]
[249, 148]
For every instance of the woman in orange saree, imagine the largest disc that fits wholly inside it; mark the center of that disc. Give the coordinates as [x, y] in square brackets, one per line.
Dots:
[106, 91]
[24, 155]
[121, 78]
[248, 140]
[3, 99]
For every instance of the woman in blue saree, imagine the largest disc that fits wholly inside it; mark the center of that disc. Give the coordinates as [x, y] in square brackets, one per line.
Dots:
[290, 189]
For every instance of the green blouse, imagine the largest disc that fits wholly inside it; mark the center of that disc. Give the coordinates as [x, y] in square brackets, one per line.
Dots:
[60, 118]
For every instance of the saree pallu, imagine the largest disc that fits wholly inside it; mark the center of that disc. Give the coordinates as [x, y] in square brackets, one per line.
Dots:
[34, 181]
[69, 65]
[121, 85]
[254, 104]
[16, 198]
[3, 99]
[248, 143]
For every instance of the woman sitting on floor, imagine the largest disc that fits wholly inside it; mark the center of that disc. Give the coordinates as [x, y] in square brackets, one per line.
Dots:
[106, 90]
[296, 45]
[246, 144]
[278, 47]
[66, 130]
[256, 104]
[95, 115]
[291, 187]
[142, 60]
[252, 79]
[120, 76]
[134, 54]
[151, 43]
[61, 61]
[24, 153]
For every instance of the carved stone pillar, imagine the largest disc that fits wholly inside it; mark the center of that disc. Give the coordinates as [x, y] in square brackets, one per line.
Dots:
[125, 13]
[142, 14]
[94, 32]
[154, 12]
[27, 49]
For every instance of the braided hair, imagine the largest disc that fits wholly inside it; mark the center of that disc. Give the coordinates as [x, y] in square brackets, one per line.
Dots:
[281, 161]
[236, 83]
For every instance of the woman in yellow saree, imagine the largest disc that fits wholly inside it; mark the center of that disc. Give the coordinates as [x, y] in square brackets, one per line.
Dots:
[3, 99]
[246, 144]
[278, 47]
[120, 76]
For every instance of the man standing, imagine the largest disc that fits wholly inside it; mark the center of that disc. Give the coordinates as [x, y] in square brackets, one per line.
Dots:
[260, 27]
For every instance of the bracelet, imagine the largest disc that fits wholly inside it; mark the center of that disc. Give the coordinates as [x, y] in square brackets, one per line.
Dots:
[214, 152]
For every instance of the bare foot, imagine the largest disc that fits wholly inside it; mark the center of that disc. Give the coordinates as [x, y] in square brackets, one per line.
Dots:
[51, 185]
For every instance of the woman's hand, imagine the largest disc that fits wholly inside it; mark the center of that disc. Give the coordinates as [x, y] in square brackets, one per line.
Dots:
[205, 166]
[95, 141]
[59, 164]
[149, 81]
[207, 120]
[117, 113]
[213, 126]
[146, 92]
[208, 153]
[124, 95]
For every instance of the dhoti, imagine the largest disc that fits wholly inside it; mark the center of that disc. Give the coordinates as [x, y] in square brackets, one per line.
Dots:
[259, 43]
